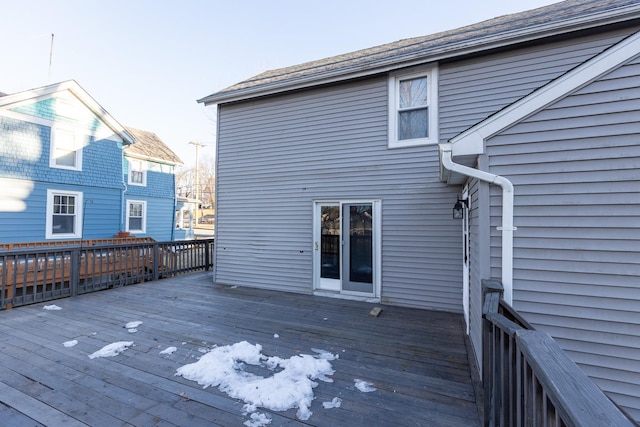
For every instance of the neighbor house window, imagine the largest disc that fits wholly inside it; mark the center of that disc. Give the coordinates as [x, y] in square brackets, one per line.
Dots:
[413, 113]
[136, 216]
[66, 149]
[137, 172]
[64, 214]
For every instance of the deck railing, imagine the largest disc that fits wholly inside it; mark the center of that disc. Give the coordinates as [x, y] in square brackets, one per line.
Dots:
[529, 380]
[42, 273]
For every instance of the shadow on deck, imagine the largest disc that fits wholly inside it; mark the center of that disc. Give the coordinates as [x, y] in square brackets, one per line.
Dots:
[416, 359]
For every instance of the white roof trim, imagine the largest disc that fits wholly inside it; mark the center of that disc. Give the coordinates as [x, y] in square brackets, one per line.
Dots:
[73, 87]
[472, 140]
[144, 157]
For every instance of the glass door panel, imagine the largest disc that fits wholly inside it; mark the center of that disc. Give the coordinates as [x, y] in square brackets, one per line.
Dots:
[357, 262]
[330, 242]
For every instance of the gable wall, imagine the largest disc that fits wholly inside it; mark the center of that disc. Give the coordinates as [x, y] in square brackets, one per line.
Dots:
[472, 90]
[277, 155]
[26, 175]
[25, 154]
[575, 168]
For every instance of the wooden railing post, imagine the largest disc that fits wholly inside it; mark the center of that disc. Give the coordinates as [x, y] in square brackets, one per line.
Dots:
[492, 292]
[156, 261]
[207, 246]
[74, 274]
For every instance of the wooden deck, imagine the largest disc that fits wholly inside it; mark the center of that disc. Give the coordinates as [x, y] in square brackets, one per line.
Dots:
[416, 359]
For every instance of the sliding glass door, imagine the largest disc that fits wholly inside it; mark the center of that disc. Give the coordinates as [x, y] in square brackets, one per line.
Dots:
[345, 247]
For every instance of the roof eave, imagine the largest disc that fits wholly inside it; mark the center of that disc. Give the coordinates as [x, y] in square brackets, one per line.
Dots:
[75, 88]
[447, 52]
[152, 159]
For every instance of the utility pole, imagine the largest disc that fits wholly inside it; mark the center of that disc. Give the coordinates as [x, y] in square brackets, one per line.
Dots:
[197, 192]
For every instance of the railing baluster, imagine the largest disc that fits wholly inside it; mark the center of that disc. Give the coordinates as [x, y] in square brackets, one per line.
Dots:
[45, 271]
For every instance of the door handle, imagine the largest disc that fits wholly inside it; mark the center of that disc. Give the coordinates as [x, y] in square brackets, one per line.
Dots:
[316, 245]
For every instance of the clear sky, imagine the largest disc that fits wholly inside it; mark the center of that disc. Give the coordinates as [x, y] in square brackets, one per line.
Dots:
[148, 61]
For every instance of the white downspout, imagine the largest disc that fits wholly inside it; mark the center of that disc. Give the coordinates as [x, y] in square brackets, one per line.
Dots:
[507, 227]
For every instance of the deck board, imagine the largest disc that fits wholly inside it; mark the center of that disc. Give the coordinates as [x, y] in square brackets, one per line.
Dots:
[416, 359]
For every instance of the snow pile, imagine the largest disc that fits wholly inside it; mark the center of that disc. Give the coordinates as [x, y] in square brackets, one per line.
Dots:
[131, 326]
[51, 307]
[364, 386]
[71, 343]
[169, 350]
[258, 419]
[335, 403]
[112, 349]
[290, 387]
[323, 354]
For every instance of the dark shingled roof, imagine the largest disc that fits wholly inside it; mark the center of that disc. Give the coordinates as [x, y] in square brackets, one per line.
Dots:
[554, 19]
[149, 145]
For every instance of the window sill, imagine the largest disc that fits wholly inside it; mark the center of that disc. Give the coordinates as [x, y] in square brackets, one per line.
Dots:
[412, 143]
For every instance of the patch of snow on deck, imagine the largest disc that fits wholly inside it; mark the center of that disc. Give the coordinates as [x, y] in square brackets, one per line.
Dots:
[258, 419]
[112, 349]
[291, 387]
[169, 350]
[364, 386]
[335, 403]
[51, 307]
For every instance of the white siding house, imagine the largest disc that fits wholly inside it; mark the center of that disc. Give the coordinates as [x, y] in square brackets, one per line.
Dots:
[338, 177]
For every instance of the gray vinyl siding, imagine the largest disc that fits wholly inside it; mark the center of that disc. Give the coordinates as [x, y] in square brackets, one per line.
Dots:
[471, 90]
[276, 156]
[479, 258]
[576, 171]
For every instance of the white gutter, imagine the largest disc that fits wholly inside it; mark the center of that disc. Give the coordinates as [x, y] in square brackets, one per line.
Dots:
[507, 227]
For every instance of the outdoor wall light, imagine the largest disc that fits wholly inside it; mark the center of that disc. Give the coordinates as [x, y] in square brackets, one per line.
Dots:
[458, 209]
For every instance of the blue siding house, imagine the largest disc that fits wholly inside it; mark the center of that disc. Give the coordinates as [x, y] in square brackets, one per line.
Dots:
[149, 174]
[60, 165]
[63, 174]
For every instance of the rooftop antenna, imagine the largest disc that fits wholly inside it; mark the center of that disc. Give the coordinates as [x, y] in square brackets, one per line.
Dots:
[50, 58]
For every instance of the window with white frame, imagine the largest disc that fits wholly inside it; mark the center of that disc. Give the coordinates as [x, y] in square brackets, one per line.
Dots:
[66, 149]
[413, 108]
[64, 214]
[136, 216]
[137, 172]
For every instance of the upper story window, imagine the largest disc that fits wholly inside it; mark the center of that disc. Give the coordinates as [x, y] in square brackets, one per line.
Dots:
[137, 172]
[64, 214]
[413, 108]
[66, 149]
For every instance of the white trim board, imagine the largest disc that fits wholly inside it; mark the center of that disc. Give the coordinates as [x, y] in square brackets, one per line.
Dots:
[471, 141]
